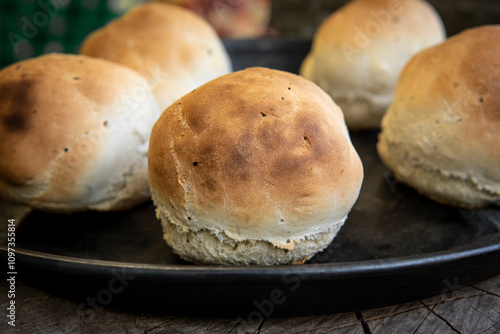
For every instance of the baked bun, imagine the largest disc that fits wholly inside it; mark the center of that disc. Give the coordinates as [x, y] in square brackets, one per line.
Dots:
[173, 48]
[74, 133]
[255, 167]
[359, 51]
[441, 135]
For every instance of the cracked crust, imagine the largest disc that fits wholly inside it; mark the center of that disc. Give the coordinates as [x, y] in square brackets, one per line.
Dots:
[441, 133]
[360, 50]
[73, 139]
[259, 154]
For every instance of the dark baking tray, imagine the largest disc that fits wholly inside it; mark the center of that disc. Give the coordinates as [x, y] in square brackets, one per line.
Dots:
[396, 246]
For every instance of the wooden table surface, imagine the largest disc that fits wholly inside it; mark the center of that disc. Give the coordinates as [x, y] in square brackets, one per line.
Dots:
[472, 309]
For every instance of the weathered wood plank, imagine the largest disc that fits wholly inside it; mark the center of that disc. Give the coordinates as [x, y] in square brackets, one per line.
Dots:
[478, 314]
[338, 324]
[473, 309]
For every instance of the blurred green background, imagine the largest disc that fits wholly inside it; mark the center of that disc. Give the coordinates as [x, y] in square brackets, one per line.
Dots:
[31, 27]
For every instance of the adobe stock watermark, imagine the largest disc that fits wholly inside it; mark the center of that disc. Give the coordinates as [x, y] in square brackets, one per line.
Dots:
[30, 27]
[124, 108]
[451, 286]
[292, 279]
[372, 29]
[104, 297]
[425, 146]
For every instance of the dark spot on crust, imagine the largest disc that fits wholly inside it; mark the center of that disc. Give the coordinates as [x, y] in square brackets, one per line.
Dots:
[77, 78]
[263, 114]
[307, 140]
[16, 99]
[14, 122]
[481, 99]
[66, 149]
[289, 88]
[195, 163]
[282, 98]
[105, 123]
[189, 218]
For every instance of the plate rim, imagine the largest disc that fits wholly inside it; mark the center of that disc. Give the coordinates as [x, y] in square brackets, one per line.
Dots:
[488, 245]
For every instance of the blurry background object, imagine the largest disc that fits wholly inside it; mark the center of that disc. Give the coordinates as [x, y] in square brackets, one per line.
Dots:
[233, 18]
[32, 27]
[172, 47]
[301, 18]
[358, 52]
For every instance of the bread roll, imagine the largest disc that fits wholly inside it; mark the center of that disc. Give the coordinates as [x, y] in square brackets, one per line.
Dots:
[360, 50]
[173, 48]
[441, 134]
[255, 167]
[74, 133]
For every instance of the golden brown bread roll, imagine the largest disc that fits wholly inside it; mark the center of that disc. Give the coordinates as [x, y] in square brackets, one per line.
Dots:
[441, 134]
[359, 51]
[254, 167]
[74, 133]
[173, 48]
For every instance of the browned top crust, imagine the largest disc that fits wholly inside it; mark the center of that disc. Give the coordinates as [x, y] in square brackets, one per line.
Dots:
[446, 108]
[259, 153]
[55, 114]
[172, 47]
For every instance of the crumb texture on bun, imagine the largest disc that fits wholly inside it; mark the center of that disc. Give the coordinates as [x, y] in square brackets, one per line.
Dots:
[74, 133]
[359, 51]
[258, 158]
[441, 134]
[172, 47]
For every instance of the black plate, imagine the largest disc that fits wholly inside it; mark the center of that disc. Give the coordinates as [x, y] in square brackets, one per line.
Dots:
[395, 247]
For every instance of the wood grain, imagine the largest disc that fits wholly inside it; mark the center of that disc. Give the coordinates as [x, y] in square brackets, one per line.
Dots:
[474, 309]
